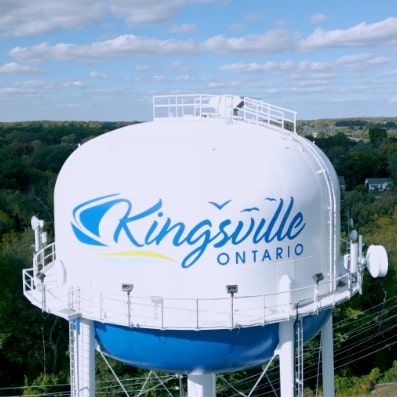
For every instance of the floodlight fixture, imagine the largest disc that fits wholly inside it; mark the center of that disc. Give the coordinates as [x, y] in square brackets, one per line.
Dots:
[317, 277]
[232, 289]
[127, 287]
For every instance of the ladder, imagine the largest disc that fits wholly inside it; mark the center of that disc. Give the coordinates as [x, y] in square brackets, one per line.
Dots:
[74, 324]
[299, 357]
[72, 358]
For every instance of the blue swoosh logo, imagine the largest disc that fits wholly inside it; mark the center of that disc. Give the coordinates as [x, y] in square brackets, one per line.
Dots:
[88, 215]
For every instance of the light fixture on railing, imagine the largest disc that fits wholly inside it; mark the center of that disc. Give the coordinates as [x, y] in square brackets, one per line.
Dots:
[125, 287]
[317, 277]
[232, 289]
[40, 276]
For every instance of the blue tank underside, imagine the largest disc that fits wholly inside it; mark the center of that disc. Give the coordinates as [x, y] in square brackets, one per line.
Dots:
[201, 351]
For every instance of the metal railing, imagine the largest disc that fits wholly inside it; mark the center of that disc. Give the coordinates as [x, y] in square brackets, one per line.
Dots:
[181, 313]
[44, 257]
[28, 283]
[214, 313]
[33, 278]
[228, 107]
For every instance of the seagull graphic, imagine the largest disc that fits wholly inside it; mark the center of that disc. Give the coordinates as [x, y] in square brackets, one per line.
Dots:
[250, 209]
[219, 206]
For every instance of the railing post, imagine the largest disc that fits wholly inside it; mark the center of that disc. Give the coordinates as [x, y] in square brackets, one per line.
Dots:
[295, 122]
[268, 114]
[162, 313]
[264, 309]
[100, 305]
[128, 288]
[197, 315]
[231, 290]
[129, 308]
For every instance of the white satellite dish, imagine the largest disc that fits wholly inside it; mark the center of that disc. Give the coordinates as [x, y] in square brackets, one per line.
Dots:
[377, 261]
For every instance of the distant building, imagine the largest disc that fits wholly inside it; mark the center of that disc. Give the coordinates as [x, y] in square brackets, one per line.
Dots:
[377, 184]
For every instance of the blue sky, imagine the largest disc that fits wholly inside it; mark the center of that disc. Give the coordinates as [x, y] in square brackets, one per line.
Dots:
[105, 59]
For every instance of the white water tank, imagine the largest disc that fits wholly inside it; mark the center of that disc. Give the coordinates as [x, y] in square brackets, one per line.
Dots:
[209, 220]
[183, 207]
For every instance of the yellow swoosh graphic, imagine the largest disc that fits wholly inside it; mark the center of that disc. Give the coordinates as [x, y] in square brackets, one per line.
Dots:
[149, 254]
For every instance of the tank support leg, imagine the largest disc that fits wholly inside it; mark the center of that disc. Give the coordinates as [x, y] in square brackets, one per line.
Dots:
[327, 344]
[82, 358]
[286, 353]
[201, 385]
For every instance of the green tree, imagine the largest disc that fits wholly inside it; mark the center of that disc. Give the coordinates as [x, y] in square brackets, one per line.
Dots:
[31, 342]
[46, 385]
[377, 134]
[393, 169]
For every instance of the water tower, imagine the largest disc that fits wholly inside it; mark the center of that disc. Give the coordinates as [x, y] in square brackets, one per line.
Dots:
[205, 241]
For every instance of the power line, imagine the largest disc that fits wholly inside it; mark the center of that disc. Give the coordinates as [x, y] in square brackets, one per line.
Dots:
[380, 318]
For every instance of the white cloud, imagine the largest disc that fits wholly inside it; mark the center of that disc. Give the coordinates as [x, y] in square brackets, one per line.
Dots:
[132, 46]
[150, 11]
[253, 16]
[269, 42]
[361, 62]
[352, 58]
[98, 75]
[161, 79]
[74, 84]
[143, 68]
[9, 90]
[361, 35]
[29, 18]
[28, 87]
[275, 67]
[378, 60]
[317, 76]
[314, 66]
[215, 84]
[121, 46]
[17, 68]
[392, 72]
[236, 26]
[316, 18]
[183, 28]
[263, 57]
[146, 11]
[29, 84]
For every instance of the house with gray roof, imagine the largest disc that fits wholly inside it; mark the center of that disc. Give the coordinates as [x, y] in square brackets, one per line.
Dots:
[377, 184]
